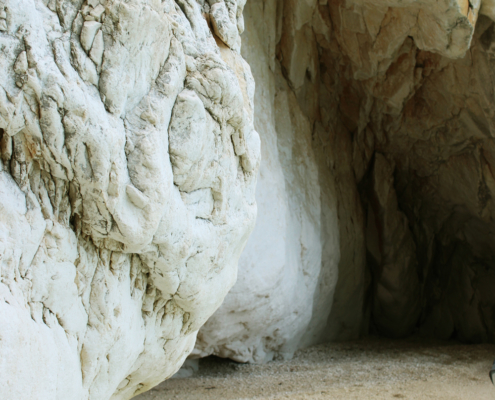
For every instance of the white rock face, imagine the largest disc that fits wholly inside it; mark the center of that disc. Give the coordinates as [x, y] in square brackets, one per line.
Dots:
[290, 264]
[129, 163]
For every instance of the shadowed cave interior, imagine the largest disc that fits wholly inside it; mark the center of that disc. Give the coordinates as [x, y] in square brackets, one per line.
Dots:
[401, 134]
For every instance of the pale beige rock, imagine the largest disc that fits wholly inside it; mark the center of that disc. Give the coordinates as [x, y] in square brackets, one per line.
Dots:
[97, 48]
[88, 33]
[107, 268]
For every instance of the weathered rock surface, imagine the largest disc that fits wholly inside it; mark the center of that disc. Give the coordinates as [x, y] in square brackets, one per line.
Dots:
[129, 160]
[382, 114]
[129, 163]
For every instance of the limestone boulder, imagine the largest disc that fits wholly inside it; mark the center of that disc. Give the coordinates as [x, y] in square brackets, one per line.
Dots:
[127, 189]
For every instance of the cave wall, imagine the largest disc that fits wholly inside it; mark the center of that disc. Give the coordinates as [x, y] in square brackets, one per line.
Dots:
[425, 188]
[397, 103]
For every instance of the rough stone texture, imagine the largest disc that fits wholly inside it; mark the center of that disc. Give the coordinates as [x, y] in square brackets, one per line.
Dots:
[129, 163]
[397, 103]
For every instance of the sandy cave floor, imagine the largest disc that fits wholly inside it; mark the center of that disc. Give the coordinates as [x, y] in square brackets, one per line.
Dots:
[367, 369]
